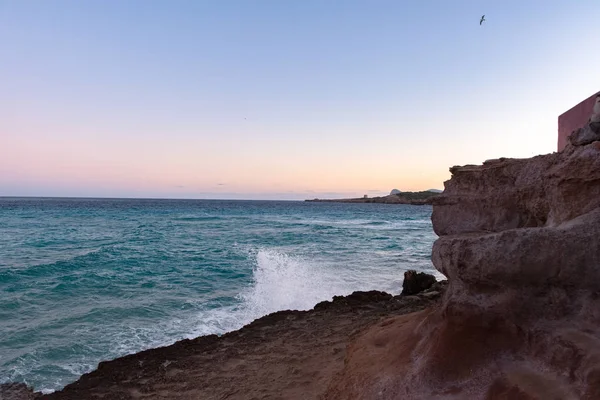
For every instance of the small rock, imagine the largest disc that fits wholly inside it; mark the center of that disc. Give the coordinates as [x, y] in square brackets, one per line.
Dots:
[416, 282]
[585, 135]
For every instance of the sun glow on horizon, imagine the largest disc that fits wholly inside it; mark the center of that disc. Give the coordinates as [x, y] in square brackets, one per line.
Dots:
[279, 104]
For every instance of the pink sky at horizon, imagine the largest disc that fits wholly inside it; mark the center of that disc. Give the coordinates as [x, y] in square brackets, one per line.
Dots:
[199, 101]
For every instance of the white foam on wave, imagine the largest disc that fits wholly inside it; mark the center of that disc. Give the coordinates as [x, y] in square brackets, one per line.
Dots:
[283, 282]
[280, 282]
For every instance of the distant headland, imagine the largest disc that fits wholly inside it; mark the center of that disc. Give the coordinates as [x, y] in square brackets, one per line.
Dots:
[395, 197]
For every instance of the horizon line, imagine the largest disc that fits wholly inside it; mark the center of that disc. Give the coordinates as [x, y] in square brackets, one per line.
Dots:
[135, 198]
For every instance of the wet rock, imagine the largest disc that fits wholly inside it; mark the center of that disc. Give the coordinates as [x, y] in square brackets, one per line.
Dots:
[416, 282]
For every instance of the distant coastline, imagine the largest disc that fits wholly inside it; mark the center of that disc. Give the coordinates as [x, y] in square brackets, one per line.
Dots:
[413, 198]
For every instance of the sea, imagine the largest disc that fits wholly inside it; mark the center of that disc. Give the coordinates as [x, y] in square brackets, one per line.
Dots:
[87, 280]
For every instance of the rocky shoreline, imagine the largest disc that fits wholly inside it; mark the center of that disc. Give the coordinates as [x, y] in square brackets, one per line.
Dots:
[284, 355]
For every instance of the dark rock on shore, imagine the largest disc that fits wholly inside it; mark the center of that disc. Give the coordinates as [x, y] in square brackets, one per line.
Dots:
[416, 282]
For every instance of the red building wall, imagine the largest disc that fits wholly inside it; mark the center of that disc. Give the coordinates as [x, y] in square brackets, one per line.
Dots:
[574, 119]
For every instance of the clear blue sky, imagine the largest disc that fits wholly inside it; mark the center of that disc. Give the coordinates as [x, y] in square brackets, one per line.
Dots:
[280, 99]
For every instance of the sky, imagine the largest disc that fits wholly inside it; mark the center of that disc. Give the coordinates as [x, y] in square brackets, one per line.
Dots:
[280, 99]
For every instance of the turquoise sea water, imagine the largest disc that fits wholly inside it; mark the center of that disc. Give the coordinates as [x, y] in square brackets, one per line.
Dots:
[86, 280]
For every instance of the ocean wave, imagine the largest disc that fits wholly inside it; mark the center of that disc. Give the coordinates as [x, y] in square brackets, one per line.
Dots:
[63, 259]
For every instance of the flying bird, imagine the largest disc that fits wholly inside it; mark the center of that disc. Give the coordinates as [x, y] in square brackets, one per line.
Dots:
[482, 19]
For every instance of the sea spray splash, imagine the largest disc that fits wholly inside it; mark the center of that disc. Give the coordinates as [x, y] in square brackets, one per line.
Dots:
[280, 282]
[286, 282]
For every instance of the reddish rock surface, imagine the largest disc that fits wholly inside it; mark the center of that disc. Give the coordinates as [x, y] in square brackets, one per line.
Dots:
[520, 245]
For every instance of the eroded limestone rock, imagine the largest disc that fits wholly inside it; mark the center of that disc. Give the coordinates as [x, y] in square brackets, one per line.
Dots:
[520, 245]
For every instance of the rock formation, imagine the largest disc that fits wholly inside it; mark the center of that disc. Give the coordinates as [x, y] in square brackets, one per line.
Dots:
[519, 240]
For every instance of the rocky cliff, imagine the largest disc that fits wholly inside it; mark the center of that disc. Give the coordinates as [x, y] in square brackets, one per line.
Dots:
[519, 240]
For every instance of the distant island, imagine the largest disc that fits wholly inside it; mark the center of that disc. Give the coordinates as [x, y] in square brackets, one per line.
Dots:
[395, 197]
